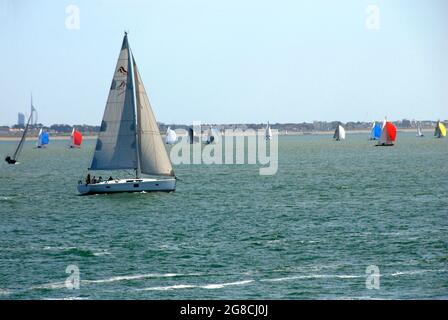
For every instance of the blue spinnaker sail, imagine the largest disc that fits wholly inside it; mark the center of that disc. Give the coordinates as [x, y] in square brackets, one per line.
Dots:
[376, 132]
[44, 138]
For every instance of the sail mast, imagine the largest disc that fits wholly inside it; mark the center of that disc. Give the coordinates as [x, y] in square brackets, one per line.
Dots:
[138, 171]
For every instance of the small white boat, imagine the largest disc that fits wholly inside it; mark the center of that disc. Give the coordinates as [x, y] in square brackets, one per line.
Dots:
[171, 136]
[339, 133]
[191, 136]
[129, 137]
[268, 132]
[419, 130]
[212, 136]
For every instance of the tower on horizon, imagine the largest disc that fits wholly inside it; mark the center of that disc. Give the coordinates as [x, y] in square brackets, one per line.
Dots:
[20, 119]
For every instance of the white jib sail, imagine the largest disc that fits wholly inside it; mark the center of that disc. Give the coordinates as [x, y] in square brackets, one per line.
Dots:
[154, 159]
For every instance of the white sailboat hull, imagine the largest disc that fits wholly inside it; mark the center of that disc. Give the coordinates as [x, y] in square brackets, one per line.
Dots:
[128, 185]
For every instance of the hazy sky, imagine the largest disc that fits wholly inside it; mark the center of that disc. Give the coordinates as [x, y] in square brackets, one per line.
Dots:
[229, 61]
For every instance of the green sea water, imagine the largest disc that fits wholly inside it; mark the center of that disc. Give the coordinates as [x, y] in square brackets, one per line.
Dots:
[308, 232]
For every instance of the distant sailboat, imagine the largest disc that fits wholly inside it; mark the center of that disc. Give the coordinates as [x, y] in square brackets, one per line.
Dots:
[268, 132]
[339, 133]
[375, 132]
[440, 131]
[15, 156]
[191, 135]
[419, 130]
[75, 139]
[43, 139]
[212, 136]
[388, 134]
[129, 136]
[171, 136]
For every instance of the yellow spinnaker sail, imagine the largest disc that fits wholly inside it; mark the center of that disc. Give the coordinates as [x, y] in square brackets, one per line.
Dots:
[442, 129]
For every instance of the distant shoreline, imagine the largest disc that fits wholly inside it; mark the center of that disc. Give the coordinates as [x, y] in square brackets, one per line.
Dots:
[281, 133]
[52, 137]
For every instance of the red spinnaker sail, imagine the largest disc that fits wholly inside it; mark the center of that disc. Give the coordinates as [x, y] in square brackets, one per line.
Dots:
[391, 130]
[77, 138]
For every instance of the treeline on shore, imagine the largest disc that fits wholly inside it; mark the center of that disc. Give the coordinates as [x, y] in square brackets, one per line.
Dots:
[290, 127]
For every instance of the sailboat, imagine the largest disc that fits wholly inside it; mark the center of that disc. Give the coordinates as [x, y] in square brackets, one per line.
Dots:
[268, 132]
[43, 139]
[191, 135]
[388, 134]
[375, 132]
[171, 136]
[419, 130]
[75, 139]
[129, 137]
[212, 136]
[339, 133]
[440, 131]
[15, 156]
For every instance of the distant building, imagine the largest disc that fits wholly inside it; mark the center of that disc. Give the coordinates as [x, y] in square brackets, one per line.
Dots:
[21, 119]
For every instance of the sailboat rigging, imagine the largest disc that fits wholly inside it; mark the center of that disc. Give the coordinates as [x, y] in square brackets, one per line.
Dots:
[129, 136]
[15, 156]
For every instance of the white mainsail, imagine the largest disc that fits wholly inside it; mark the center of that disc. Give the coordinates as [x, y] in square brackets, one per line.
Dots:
[116, 147]
[39, 139]
[171, 136]
[268, 132]
[419, 130]
[384, 138]
[339, 133]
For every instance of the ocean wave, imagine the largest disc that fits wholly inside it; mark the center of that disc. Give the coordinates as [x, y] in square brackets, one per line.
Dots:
[138, 277]
[314, 276]
[173, 287]
[83, 252]
[62, 285]
[4, 292]
[50, 286]
[414, 272]
[67, 298]
[191, 286]
[222, 285]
